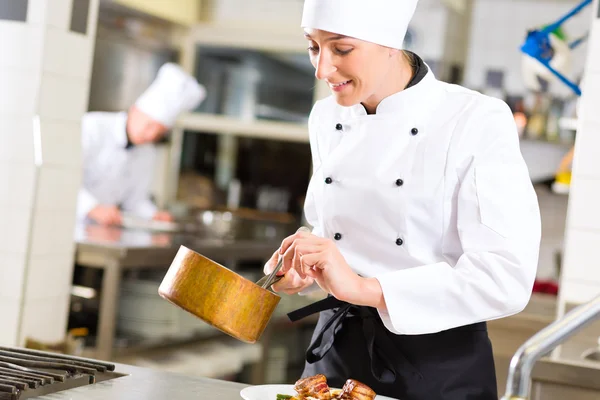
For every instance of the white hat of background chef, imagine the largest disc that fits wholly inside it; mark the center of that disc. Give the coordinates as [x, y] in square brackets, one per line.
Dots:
[384, 22]
[172, 92]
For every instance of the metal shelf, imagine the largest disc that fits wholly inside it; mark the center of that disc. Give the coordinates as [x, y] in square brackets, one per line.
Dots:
[203, 122]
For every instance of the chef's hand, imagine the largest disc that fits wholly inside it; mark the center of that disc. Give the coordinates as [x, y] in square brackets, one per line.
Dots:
[291, 282]
[319, 258]
[106, 215]
[103, 233]
[163, 216]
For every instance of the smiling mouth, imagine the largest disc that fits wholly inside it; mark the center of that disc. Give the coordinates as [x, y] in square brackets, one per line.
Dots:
[338, 85]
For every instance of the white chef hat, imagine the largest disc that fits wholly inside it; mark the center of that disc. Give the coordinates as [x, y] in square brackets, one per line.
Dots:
[172, 92]
[384, 22]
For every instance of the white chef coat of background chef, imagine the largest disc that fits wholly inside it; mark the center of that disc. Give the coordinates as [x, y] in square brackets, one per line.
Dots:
[114, 175]
[430, 195]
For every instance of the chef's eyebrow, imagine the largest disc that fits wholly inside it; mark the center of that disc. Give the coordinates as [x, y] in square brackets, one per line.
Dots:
[329, 39]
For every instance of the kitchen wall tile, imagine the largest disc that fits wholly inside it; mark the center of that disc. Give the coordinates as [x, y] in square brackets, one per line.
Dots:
[49, 276]
[581, 276]
[19, 92]
[584, 201]
[581, 259]
[12, 270]
[37, 11]
[15, 233]
[57, 188]
[587, 163]
[16, 138]
[593, 59]
[63, 98]
[53, 232]
[45, 319]
[21, 46]
[578, 291]
[10, 311]
[68, 54]
[61, 143]
[591, 96]
[59, 15]
[17, 181]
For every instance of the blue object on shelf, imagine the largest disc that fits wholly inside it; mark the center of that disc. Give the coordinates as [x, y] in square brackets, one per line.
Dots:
[538, 45]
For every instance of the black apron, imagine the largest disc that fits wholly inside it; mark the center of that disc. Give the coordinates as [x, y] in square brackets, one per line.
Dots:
[352, 342]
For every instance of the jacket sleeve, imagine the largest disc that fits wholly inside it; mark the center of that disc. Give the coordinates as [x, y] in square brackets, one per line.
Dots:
[138, 200]
[497, 220]
[85, 203]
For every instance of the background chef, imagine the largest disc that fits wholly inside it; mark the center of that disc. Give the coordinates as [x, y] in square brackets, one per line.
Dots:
[119, 149]
[426, 223]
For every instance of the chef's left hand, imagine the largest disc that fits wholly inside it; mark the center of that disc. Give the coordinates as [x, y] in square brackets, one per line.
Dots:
[163, 216]
[320, 259]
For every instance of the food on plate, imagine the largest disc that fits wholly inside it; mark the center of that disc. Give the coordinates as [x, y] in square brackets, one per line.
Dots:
[355, 390]
[313, 386]
[316, 388]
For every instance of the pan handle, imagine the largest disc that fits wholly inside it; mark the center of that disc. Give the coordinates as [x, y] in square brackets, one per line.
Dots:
[266, 281]
[261, 282]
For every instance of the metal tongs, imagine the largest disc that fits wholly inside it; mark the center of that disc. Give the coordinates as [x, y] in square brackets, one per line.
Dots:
[266, 281]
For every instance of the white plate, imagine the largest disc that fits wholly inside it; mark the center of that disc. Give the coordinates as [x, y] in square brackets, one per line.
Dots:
[270, 392]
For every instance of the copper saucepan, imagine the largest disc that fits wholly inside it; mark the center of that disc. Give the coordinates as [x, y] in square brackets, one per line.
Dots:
[219, 296]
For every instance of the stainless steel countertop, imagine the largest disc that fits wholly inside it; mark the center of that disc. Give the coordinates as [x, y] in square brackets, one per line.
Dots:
[117, 238]
[137, 248]
[148, 384]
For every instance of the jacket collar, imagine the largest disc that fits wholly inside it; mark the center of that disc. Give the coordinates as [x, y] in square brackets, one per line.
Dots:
[414, 101]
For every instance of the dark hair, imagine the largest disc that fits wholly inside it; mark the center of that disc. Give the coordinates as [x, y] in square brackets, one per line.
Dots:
[411, 58]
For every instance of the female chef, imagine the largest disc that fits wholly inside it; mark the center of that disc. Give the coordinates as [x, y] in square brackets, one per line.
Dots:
[425, 221]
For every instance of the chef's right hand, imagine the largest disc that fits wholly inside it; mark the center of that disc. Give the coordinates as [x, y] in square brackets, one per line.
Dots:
[291, 282]
[105, 215]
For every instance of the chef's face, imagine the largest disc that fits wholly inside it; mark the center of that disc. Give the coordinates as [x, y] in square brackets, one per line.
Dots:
[143, 129]
[355, 70]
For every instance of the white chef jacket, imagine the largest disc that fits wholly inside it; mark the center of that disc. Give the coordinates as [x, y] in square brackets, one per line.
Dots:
[112, 174]
[432, 197]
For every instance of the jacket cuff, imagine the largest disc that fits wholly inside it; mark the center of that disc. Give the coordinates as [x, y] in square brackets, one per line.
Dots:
[85, 203]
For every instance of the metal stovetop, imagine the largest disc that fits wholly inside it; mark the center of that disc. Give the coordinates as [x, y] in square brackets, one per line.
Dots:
[26, 374]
